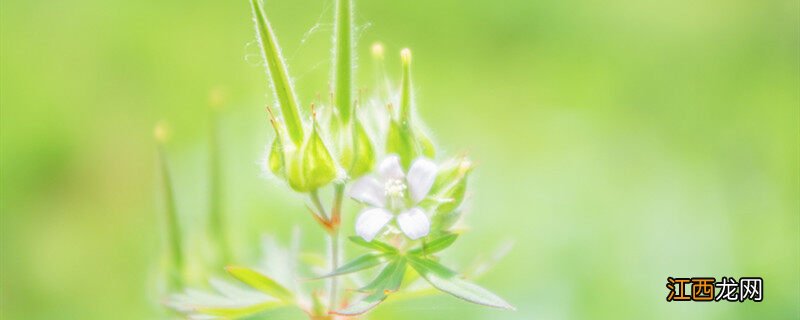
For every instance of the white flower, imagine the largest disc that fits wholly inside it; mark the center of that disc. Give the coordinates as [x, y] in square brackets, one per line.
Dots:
[392, 193]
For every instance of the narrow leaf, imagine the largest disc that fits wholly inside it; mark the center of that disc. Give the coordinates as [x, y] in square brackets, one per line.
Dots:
[374, 244]
[450, 282]
[436, 245]
[387, 281]
[261, 282]
[276, 68]
[363, 262]
[239, 311]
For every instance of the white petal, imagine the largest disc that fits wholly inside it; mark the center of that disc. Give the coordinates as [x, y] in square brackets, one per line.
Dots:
[390, 168]
[368, 190]
[371, 221]
[414, 223]
[420, 178]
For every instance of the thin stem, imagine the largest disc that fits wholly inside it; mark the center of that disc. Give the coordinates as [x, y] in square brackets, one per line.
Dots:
[173, 230]
[335, 218]
[216, 223]
[314, 195]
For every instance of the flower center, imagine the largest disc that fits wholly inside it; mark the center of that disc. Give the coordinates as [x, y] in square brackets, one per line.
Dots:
[395, 188]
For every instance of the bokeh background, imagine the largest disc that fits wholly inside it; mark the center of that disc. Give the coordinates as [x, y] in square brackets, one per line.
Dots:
[618, 143]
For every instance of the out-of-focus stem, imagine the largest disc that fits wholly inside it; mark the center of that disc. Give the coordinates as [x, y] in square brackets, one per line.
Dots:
[173, 229]
[216, 220]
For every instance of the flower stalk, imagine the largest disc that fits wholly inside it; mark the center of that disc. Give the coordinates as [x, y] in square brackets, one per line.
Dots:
[216, 219]
[176, 263]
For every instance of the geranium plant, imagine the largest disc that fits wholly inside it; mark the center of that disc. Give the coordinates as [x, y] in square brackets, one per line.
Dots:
[377, 154]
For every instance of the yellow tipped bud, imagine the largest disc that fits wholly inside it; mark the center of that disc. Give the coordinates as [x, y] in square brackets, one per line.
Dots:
[377, 51]
[161, 132]
[405, 56]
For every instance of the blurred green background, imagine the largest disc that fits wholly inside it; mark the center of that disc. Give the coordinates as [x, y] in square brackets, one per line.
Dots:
[618, 143]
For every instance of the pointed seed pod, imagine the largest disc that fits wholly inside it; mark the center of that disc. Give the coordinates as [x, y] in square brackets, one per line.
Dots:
[276, 69]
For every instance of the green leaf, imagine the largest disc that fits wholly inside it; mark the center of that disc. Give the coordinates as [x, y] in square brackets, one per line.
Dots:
[319, 168]
[436, 245]
[446, 280]
[387, 281]
[374, 244]
[363, 262]
[391, 274]
[239, 311]
[260, 282]
[276, 68]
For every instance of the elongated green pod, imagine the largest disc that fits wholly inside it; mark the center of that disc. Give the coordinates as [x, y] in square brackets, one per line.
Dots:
[276, 69]
[405, 87]
[343, 59]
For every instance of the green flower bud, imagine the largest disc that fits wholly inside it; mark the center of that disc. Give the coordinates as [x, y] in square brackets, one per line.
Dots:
[357, 153]
[400, 141]
[425, 144]
[318, 166]
[449, 173]
[275, 159]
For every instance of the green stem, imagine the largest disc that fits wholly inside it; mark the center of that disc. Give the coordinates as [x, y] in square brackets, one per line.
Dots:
[336, 217]
[314, 195]
[216, 220]
[173, 230]
[343, 59]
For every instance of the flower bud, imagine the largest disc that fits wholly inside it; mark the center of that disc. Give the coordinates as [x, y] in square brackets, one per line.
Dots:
[357, 153]
[400, 141]
[318, 166]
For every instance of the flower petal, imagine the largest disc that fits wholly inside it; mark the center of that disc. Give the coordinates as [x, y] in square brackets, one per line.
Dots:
[420, 178]
[390, 168]
[368, 190]
[414, 223]
[371, 221]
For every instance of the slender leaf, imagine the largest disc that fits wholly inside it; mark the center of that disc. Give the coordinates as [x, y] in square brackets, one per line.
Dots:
[261, 282]
[436, 245]
[450, 282]
[239, 311]
[387, 281]
[374, 244]
[363, 262]
[393, 273]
